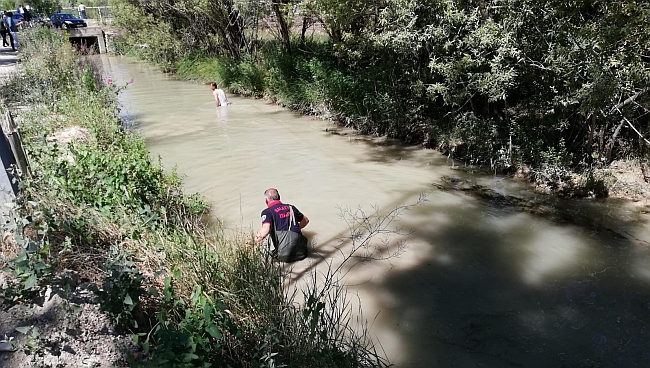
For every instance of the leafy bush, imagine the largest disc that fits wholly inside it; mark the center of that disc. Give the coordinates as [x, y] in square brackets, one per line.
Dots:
[101, 188]
[121, 289]
[244, 77]
[188, 334]
[522, 81]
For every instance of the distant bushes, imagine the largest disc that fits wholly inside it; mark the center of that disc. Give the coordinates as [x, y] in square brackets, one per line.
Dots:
[491, 85]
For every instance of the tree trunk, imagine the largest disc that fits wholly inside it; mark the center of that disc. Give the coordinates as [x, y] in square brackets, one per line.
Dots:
[483, 11]
[235, 28]
[305, 24]
[228, 24]
[282, 24]
[592, 128]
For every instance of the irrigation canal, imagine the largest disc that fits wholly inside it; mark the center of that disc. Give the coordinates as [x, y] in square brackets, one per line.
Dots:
[477, 286]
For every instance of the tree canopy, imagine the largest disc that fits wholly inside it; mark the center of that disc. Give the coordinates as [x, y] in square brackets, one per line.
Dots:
[504, 82]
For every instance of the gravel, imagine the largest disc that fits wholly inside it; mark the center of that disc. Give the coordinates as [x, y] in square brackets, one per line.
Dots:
[71, 334]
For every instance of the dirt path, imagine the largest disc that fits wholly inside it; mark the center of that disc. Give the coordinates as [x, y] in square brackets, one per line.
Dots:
[8, 61]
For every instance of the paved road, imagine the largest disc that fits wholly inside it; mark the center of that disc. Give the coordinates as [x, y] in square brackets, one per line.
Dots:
[8, 61]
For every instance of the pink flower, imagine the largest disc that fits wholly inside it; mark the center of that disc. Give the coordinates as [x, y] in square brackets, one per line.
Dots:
[109, 80]
[131, 81]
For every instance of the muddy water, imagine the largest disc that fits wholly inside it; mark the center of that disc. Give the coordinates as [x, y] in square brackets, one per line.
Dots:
[477, 285]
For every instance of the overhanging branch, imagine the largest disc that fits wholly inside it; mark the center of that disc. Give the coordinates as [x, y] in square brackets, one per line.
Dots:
[628, 100]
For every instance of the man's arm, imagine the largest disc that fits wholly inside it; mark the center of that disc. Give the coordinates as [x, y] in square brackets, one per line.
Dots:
[303, 222]
[264, 231]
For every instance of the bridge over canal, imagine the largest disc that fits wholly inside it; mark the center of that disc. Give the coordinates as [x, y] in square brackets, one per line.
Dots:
[91, 37]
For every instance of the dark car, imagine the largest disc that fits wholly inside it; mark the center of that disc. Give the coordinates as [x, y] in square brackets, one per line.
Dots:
[65, 21]
[17, 18]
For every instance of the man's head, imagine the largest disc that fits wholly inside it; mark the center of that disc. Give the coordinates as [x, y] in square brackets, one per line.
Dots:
[213, 86]
[271, 195]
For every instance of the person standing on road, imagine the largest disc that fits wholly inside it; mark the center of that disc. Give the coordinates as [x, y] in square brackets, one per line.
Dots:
[27, 17]
[4, 30]
[13, 30]
[285, 223]
[82, 11]
[219, 95]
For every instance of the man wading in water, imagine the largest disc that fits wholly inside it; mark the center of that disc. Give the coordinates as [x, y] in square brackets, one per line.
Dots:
[219, 95]
[284, 222]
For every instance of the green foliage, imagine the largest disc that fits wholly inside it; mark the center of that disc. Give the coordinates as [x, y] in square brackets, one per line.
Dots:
[553, 169]
[32, 267]
[347, 18]
[33, 336]
[121, 290]
[100, 189]
[201, 68]
[45, 7]
[295, 80]
[119, 176]
[188, 334]
[8, 4]
[493, 83]
[147, 37]
[244, 76]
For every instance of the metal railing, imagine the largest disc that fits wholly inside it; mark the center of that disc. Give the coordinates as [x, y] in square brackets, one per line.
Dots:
[98, 13]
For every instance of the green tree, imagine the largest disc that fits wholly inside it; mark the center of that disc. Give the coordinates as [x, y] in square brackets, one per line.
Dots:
[45, 7]
[502, 82]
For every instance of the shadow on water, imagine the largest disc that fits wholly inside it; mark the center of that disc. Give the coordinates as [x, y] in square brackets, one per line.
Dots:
[325, 252]
[379, 149]
[384, 151]
[494, 291]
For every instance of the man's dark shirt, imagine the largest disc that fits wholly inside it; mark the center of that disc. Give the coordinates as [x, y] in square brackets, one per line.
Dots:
[277, 214]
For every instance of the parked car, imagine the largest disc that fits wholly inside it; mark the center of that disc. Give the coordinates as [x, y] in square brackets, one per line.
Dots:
[17, 18]
[65, 21]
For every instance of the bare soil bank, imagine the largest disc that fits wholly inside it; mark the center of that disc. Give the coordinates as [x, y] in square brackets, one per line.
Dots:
[628, 180]
[62, 334]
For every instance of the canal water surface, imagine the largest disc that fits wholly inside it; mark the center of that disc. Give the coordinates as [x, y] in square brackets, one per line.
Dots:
[476, 285]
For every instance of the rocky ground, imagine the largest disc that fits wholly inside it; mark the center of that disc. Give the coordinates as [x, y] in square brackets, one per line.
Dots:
[62, 334]
[628, 180]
